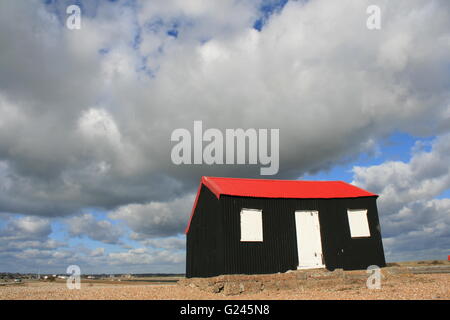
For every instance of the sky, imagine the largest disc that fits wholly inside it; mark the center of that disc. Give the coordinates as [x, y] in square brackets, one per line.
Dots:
[86, 176]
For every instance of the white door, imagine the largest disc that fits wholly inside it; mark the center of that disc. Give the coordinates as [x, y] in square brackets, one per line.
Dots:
[309, 243]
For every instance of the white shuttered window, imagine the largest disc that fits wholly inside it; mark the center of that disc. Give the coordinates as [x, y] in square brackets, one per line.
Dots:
[359, 225]
[251, 225]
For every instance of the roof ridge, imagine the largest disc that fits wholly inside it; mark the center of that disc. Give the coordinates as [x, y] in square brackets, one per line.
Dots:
[256, 179]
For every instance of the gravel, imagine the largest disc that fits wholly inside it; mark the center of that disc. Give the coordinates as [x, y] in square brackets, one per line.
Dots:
[399, 286]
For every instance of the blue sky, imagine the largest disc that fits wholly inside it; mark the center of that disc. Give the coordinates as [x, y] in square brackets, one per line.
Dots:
[85, 171]
[396, 147]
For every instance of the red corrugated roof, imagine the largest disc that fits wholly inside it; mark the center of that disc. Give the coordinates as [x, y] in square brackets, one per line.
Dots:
[263, 188]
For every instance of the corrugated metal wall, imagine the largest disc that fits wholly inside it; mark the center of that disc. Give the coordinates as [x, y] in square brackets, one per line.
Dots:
[204, 241]
[214, 246]
[278, 252]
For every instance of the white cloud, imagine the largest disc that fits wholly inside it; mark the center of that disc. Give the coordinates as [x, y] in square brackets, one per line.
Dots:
[170, 243]
[98, 252]
[35, 244]
[143, 256]
[419, 231]
[100, 230]
[156, 219]
[25, 228]
[424, 177]
[27, 245]
[414, 223]
[97, 124]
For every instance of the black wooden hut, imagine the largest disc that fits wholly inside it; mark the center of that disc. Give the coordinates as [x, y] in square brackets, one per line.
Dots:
[254, 226]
